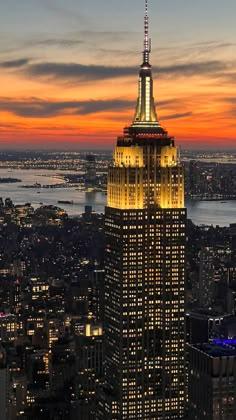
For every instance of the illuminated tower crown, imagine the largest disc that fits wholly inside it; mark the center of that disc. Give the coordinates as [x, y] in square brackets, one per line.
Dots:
[145, 113]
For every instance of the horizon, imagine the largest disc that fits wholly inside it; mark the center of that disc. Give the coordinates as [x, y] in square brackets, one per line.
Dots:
[80, 149]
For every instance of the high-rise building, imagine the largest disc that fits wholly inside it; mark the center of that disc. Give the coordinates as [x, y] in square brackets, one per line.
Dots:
[202, 324]
[96, 278]
[206, 277]
[212, 381]
[3, 384]
[90, 176]
[89, 356]
[145, 223]
[3, 394]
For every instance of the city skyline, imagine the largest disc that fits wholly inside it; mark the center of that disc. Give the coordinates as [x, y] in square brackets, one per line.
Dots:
[69, 73]
[118, 271]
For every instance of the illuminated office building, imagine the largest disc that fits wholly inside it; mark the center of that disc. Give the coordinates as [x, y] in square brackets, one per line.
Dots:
[145, 268]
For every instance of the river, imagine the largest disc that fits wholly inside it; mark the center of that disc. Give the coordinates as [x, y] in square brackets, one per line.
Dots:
[200, 212]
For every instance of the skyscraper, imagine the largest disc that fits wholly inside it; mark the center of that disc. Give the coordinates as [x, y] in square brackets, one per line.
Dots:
[212, 380]
[145, 268]
[90, 175]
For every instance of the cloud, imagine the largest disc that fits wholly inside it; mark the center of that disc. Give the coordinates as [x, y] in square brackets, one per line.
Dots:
[4, 126]
[176, 116]
[12, 64]
[103, 105]
[213, 44]
[63, 71]
[71, 71]
[98, 42]
[231, 108]
[37, 108]
[193, 69]
[172, 101]
[231, 100]
[56, 42]
[65, 12]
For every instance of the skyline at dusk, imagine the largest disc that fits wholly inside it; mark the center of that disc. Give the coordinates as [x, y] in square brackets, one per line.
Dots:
[69, 73]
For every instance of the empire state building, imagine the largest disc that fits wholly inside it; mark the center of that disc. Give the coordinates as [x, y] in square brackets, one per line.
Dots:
[145, 223]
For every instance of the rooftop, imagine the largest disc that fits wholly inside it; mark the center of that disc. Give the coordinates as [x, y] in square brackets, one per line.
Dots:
[218, 348]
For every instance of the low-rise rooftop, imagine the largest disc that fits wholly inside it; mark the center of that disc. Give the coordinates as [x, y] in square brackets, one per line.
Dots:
[218, 348]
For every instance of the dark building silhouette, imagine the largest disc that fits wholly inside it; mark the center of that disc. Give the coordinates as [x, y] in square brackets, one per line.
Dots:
[212, 381]
[89, 366]
[201, 325]
[90, 176]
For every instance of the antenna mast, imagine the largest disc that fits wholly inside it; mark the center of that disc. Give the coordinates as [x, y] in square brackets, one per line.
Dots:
[147, 42]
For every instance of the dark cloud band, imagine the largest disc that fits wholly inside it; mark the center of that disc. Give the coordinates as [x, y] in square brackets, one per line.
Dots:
[12, 64]
[66, 72]
[176, 116]
[69, 72]
[36, 108]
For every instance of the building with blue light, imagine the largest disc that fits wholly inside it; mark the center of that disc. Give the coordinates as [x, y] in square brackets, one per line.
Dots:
[212, 380]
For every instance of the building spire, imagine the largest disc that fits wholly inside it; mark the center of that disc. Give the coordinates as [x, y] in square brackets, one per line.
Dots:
[146, 49]
[145, 113]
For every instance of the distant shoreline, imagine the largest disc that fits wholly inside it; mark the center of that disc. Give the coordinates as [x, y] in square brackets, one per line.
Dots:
[222, 199]
[9, 180]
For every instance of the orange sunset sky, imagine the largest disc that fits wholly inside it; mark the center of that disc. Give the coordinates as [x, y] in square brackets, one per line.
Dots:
[69, 71]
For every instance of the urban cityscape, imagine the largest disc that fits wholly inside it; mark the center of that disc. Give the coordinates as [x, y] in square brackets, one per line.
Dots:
[118, 272]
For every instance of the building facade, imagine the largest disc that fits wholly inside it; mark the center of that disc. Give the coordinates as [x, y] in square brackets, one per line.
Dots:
[202, 325]
[212, 381]
[145, 223]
